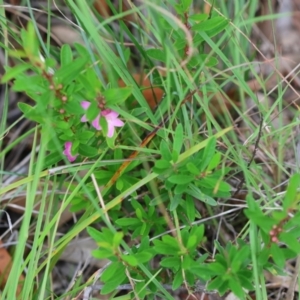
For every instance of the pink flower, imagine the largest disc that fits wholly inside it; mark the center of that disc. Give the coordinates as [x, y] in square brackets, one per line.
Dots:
[112, 121]
[67, 152]
[110, 116]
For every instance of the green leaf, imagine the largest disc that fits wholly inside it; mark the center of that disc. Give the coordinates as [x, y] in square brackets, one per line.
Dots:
[162, 164]
[84, 136]
[178, 280]
[31, 113]
[157, 54]
[218, 268]
[165, 151]
[73, 107]
[117, 95]
[30, 41]
[175, 201]
[130, 259]
[14, 72]
[215, 161]
[88, 151]
[192, 242]
[25, 108]
[144, 256]
[17, 53]
[171, 241]
[198, 17]
[103, 253]
[239, 258]
[186, 4]
[237, 289]
[178, 138]
[175, 156]
[190, 208]
[216, 283]
[290, 198]
[171, 262]
[162, 248]
[246, 282]
[208, 60]
[95, 234]
[117, 239]
[66, 55]
[278, 255]
[290, 241]
[69, 72]
[208, 153]
[196, 192]
[114, 281]
[217, 23]
[61, 124]
[181, 179]
[180, 188]
[192, 168]
[128, 222]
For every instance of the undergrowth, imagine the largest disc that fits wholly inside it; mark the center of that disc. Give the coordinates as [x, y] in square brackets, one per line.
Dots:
[152, 187]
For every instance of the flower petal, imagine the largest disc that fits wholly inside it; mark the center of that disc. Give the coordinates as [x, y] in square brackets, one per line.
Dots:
[111, 130]
[117, 123]
[67, 152]
[95, 123]
[109, 114]
[84, 118]
[85, 104]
